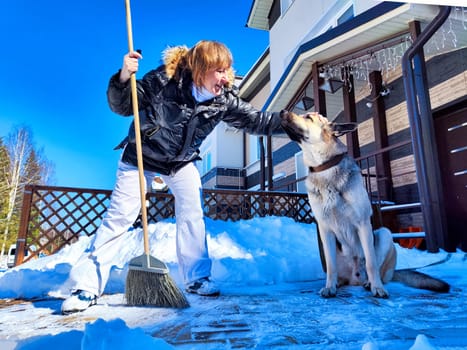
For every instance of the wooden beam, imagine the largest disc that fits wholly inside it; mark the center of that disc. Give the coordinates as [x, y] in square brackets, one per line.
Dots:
[350, 113]
[383, 166]
[318, 95]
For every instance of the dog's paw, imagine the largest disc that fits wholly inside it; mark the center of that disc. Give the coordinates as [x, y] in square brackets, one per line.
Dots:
[380, 293]
[328, 292]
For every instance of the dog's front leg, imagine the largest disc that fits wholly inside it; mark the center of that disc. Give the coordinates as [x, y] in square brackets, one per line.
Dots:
[372, 267]
[329, 247]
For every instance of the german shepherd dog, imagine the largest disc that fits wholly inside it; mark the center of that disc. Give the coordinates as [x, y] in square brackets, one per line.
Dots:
[353, 253]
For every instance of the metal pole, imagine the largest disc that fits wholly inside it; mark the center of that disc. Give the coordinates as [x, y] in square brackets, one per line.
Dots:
[421, 121]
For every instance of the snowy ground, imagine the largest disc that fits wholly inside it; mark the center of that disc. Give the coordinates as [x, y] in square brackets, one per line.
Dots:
[270, 275]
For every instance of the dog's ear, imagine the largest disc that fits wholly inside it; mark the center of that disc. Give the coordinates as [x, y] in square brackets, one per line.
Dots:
[339, 129]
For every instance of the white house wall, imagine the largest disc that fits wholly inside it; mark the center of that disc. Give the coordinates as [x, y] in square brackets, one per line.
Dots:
[289, 30]
[363, 5]
[252, 140]
[229, 147]
[303, 21]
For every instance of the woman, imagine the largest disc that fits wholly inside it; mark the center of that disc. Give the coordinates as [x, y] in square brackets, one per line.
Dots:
[180, 103]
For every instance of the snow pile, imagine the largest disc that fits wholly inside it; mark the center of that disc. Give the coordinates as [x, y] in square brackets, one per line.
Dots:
[258, 252]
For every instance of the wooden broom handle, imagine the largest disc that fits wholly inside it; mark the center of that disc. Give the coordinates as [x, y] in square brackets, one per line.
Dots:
[139, 152]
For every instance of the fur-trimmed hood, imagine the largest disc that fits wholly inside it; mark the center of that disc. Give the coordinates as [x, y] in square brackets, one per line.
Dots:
[175, 63]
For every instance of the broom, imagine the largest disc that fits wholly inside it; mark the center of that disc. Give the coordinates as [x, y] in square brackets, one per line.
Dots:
[148, 281]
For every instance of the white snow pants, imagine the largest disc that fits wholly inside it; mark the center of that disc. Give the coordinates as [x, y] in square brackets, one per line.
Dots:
[92, 270]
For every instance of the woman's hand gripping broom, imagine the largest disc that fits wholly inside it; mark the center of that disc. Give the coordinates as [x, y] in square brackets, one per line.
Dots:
[148, 281]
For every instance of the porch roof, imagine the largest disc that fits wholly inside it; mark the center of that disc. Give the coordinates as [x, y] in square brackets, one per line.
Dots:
[375, 25]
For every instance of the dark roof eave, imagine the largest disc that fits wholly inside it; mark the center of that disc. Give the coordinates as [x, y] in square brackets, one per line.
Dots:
[255, 67]
[256, 21]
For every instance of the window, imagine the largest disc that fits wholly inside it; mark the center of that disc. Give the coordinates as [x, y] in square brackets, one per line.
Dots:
[204, 165]
[348, 14]
[285, 4]
[207, 162]
[339, 18]
[300, 171]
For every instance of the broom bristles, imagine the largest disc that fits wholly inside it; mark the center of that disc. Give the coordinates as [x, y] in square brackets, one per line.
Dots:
[151, 288]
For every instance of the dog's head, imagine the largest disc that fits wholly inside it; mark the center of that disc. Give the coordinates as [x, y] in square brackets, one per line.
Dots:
[313, 127]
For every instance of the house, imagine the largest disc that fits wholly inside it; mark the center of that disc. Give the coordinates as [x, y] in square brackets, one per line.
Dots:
[397, 69]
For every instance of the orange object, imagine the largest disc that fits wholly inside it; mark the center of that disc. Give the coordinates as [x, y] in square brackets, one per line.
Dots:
[411, 242]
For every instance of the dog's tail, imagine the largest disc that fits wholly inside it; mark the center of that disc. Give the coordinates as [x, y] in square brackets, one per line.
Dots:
[420, 280]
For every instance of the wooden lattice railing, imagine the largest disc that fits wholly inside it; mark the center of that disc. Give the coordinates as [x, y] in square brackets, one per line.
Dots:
[53, 217]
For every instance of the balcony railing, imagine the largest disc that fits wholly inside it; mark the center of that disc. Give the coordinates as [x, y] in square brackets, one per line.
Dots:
[388, 210]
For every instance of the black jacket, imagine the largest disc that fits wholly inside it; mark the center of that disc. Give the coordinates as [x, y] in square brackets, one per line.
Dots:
[173, 125]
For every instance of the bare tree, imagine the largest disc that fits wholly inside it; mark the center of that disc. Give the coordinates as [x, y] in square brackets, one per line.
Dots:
[4, 168]
[24, 165]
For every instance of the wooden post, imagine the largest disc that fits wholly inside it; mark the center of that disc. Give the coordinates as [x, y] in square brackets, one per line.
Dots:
[270, 166]
[320, 107]
[318, 95]
[383, 166]
[350, 113]
[262, 159]
[24, 224]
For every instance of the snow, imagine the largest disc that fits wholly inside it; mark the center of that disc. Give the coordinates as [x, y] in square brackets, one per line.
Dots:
[269, 272]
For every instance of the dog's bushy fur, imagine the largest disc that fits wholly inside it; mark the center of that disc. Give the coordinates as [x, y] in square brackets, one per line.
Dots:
[353, 253]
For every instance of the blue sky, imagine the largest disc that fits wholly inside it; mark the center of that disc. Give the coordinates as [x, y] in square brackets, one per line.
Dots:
[58, 56]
